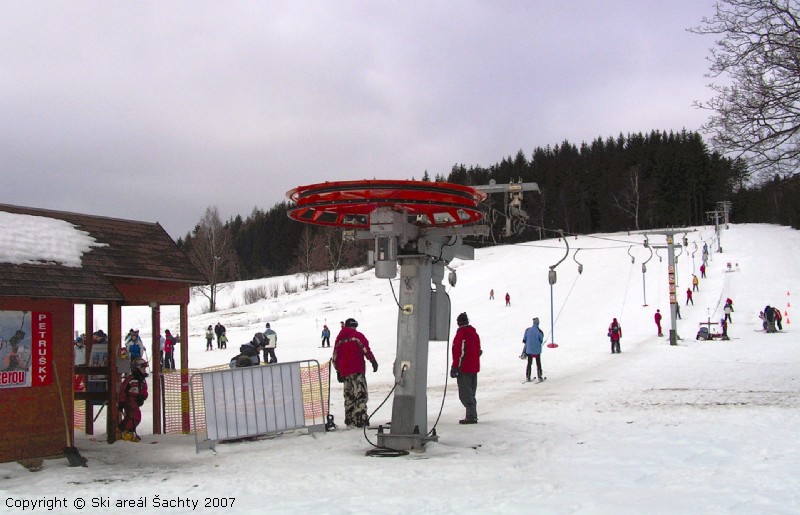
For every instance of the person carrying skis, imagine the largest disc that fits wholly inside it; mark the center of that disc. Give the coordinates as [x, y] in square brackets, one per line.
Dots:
[658, 321]
[615, 333]
[326, 336]
[349, 351]
[533, 339]
[132, 394]
[466, 365]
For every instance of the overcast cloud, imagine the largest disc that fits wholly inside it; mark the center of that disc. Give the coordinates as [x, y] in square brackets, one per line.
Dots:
[155, 110]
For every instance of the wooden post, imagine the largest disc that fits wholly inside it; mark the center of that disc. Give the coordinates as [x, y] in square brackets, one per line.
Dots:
[155, 367]
[87, 331]
[185, 425]
[114, 342]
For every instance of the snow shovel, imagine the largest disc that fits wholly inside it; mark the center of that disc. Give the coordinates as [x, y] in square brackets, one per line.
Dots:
[73, 456]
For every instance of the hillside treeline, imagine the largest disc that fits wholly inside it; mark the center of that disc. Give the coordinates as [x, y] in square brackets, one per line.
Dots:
[633, 182]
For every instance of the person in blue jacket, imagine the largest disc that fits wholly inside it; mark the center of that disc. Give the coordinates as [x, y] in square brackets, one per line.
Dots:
[533, 339]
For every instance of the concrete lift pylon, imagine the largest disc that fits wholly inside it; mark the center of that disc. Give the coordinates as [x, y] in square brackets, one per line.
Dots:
[419, 226]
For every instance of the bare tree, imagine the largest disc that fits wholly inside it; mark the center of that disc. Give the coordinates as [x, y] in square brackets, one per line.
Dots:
[310, 253]
[757, 110]
[335, 248]
[211, 251]
[629, 201]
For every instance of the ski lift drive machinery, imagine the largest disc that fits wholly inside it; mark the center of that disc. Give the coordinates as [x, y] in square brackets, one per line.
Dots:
[516, 217]
[417, 226]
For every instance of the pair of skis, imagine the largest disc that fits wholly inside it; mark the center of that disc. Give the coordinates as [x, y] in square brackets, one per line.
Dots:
[534, 380]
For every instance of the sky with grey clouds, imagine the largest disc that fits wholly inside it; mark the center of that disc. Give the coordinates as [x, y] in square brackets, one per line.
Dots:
[154, 111]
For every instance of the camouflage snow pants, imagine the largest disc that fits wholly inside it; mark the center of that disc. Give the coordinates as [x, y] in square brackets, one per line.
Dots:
[355, 400]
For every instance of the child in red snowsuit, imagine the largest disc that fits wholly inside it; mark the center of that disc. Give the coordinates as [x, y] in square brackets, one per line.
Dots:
[132, 394]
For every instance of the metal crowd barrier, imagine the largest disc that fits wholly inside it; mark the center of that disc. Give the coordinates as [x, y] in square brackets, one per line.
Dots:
[255, 401]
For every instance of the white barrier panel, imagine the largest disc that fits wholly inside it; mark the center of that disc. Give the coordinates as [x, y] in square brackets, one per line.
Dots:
[251, 401]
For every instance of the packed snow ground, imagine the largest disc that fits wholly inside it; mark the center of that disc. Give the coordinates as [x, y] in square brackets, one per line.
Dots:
[702, 427]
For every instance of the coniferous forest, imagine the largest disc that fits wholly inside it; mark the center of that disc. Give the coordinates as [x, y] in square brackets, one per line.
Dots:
[631, 182]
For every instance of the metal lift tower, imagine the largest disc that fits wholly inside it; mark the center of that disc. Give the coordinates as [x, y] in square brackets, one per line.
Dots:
[419, 227]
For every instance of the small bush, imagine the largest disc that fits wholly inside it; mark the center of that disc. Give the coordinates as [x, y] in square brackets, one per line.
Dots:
[253, 295]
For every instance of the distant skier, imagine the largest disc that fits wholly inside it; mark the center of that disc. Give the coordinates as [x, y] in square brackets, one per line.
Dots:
[658, 321]
[533, 339]
[695, 283]
[703, 270]
[210, 338]
[491, 294]
[326, 336]
[169, 349]
[615, 333]
[269, 345]
[769, 315]
[508, 299]
[728, 309]
[689, 296]
[219, 330]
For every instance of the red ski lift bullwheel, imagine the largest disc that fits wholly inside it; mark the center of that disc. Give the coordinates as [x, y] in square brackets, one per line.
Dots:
[349, 203]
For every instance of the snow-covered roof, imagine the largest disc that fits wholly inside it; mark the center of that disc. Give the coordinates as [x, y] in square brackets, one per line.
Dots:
[35, 240]
[55, 254]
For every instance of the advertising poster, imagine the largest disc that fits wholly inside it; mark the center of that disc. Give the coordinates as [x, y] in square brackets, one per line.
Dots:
[26, 349]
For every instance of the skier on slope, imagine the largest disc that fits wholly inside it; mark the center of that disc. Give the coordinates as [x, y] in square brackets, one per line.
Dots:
[533, 339]
[615, 333]
[658, 321]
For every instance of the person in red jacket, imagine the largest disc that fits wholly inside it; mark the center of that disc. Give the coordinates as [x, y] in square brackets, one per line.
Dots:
[658, 321]
[466, 365]
[349, 351]
[169, 349]
[615, 333]
[132, 394]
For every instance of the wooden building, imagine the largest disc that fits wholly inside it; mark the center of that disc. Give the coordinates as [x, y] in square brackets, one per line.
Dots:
[124, 263]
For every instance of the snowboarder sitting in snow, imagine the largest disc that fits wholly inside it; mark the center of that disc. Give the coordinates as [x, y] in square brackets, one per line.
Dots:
[132, 394]
[248, 353]
[615, 333]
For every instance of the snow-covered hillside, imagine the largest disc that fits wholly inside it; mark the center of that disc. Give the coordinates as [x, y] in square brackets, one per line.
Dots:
[702, 427]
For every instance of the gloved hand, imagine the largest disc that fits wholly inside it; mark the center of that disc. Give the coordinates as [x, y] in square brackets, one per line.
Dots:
[374, 365]
[140, 400]
[480, 353]
[339, 377]
[120, 406]
[454, 372]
